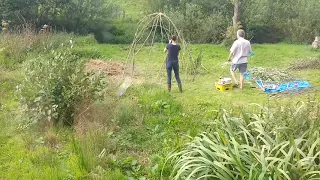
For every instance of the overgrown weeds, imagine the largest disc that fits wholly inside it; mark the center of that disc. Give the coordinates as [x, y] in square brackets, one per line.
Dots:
[18, 45]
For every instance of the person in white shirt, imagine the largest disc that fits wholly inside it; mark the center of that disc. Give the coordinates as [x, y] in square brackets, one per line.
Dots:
[239, 53]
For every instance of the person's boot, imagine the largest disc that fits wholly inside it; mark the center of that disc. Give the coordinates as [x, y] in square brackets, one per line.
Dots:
[169, 87]
[180, 87]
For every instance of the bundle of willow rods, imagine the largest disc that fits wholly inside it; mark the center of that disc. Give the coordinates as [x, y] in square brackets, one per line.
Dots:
[270, 75]
[309, 63]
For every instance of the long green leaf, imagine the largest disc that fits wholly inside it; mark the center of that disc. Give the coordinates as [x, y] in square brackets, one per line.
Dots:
[222, 169]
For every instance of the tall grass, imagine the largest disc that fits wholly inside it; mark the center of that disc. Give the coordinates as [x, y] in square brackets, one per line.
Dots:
[24, 41]
[255, 146]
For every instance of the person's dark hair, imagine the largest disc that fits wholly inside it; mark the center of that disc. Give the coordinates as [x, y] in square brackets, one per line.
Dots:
[241, 33]
[174, 38]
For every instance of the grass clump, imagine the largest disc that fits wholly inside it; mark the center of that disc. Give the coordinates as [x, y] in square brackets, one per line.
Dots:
[254, 146]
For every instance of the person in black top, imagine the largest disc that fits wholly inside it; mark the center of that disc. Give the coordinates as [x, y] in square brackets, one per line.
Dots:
[172, 62]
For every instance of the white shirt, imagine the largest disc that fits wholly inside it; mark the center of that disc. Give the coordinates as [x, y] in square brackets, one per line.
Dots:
[240, 50]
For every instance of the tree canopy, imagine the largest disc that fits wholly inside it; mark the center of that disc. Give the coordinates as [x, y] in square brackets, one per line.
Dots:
[201, 21]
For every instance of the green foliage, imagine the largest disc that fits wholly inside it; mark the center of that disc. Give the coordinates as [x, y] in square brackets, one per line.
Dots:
[267, 21]
[265, 34]
[123, 31]
[153, 122]
[126, 114]
[231, 35]
[202, 21]
[272, 144]
[158, 102]
[111, 175]
[79, 16]
[293, 21]
[199, 27]
[54, 85]
[86, 52]
[16, 46]
[86, 40]
[93, 150]
[130, 166]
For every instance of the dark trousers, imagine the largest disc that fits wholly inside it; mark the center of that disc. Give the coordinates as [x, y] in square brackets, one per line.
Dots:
[175, 66]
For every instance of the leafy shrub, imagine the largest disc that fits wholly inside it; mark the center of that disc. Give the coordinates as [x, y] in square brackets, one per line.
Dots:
[122, 32]
[254, 146]
[265, 34]
[231, 35]
[198, 27]
[54, 85]
[212, 29]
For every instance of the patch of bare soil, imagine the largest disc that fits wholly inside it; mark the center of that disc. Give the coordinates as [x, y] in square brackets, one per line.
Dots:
[114, 70]
[107, 67]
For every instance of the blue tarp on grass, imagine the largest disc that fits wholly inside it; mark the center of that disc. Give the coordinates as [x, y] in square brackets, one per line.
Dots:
[277, 88]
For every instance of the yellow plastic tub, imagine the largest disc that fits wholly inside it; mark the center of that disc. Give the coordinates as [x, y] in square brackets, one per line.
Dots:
[224, 87]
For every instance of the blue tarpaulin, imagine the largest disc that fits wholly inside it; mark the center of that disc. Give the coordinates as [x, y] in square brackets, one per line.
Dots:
[277, 88]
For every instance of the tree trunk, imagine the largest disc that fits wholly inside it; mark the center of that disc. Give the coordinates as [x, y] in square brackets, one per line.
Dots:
[236, 13]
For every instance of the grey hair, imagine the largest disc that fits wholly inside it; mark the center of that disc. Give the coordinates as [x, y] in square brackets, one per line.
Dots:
[241, 33]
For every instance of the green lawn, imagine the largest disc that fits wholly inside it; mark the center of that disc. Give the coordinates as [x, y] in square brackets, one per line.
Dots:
[202, 90]
[152, 122]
